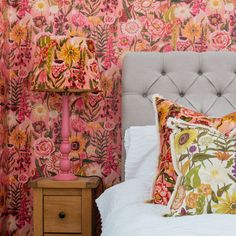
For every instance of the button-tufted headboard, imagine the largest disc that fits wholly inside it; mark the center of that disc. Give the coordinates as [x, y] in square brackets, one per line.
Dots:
[205, 82]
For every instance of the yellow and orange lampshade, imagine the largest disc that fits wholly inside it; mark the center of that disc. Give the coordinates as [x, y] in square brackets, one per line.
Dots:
[65, 65]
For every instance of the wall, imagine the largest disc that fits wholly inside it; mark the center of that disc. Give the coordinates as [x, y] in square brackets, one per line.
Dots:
[4, 74]
[117, 26]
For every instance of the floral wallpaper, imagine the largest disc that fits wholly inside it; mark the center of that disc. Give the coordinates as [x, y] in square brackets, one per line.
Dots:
[117, 26]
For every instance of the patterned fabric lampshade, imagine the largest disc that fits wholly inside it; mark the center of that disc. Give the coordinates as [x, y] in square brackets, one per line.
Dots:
[65, 64]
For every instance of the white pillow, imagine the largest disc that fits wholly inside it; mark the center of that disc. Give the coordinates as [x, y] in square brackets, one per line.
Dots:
[142, 145]
[122, 195]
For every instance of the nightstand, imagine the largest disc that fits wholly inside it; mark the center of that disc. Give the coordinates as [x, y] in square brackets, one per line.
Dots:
[64, 208]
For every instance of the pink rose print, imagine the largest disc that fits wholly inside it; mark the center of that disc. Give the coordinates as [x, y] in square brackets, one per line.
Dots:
[220, 39]
[156, 27]
[109, 19]
[79, 20]
[109, 125]
[44, 147]
[163, 193]
[93, 71]
[23, 178]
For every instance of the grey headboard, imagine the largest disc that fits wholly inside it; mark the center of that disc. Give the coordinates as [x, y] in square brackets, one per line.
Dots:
[205, 82]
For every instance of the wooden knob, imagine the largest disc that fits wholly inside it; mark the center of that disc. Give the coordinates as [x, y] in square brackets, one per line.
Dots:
[62, 214]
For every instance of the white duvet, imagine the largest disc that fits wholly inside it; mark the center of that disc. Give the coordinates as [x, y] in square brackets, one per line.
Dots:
[124, 213]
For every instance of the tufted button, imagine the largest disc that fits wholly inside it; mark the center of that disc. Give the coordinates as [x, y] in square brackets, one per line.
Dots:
[181, 94]
[219, 94]
[200, 72]
[144, 95]
[163, 73]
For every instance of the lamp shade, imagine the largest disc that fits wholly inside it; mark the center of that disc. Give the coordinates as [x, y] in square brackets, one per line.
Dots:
[65, 65]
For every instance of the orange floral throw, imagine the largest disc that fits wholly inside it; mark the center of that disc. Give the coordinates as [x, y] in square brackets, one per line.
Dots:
[166, 175]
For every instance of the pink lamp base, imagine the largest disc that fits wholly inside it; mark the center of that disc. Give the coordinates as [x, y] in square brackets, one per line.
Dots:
[65, 177]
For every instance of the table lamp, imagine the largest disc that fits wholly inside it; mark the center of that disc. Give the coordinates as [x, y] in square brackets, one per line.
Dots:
[65, 65]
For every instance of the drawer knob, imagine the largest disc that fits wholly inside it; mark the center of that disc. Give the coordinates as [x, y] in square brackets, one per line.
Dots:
[62, 214]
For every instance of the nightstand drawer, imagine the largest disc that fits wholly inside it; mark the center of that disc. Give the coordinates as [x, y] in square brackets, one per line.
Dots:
[62, 214]
[62, 234]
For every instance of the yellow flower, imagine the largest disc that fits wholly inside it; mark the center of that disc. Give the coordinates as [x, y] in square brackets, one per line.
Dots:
[216, 4]
[40, 5]
[184, 139]
[227, 205]
[39, 111]
[192, 31]
[77, 145]
[69, 53]
[205, 189]
[18, 138]
[18, 33]
[191, 200]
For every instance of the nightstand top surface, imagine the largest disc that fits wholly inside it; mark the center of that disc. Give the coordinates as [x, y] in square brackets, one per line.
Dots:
[81, 182]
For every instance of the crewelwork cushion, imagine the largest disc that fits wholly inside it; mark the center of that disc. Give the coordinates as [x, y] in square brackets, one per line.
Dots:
[204, 160]
[166, 175]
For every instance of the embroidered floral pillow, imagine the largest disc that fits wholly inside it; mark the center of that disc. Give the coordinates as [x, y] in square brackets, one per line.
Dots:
[166, 177]
[205, 162]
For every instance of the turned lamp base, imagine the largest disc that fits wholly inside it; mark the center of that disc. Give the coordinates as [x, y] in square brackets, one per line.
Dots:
[65, 172]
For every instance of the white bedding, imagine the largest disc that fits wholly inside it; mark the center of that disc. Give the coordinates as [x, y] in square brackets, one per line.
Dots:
[124, 213]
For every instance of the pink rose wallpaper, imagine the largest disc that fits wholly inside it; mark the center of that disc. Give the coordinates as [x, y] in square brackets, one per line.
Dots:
[30, 121]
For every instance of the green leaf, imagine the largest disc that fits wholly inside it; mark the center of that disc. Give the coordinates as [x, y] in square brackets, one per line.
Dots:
[169, 179]
[126, 9]
[232, 178]
[192, 179]
[214, 197]
[225, 188]
[209, 210]
[200, 205]
[229, 163]
[183, 156]
[201, 157]
[39, 168]
[196, 180]
[187, 119]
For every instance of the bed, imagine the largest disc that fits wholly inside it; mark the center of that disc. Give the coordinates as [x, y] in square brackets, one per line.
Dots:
[205, 82]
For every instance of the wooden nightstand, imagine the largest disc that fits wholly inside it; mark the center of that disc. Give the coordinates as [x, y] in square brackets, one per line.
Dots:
[64, 208]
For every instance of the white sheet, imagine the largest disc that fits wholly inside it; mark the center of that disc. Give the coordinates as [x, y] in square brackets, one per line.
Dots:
[126, 214]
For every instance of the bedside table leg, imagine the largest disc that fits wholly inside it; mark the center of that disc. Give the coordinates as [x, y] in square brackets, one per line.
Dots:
[38, 212]
[87, 222]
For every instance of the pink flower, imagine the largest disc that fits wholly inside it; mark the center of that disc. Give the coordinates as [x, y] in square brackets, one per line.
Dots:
[197, 6]
[42, 76]
[77, 125]
[79, 103]
[93, 69]
[167, 48]
[109, 19]
[79, 20]
[23, 178]
[162, 193]
[220, 39]
[109, 125]
[156, 27]
[131, 27]
[44, 147]
[124, 41]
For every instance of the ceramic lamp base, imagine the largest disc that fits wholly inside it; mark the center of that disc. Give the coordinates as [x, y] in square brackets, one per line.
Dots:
[65, 177]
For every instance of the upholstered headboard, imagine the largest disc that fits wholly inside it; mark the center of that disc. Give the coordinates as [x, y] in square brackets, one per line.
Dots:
[205, 82]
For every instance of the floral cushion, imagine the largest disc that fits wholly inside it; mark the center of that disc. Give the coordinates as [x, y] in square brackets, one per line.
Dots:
[166, 175]
[204, 159]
